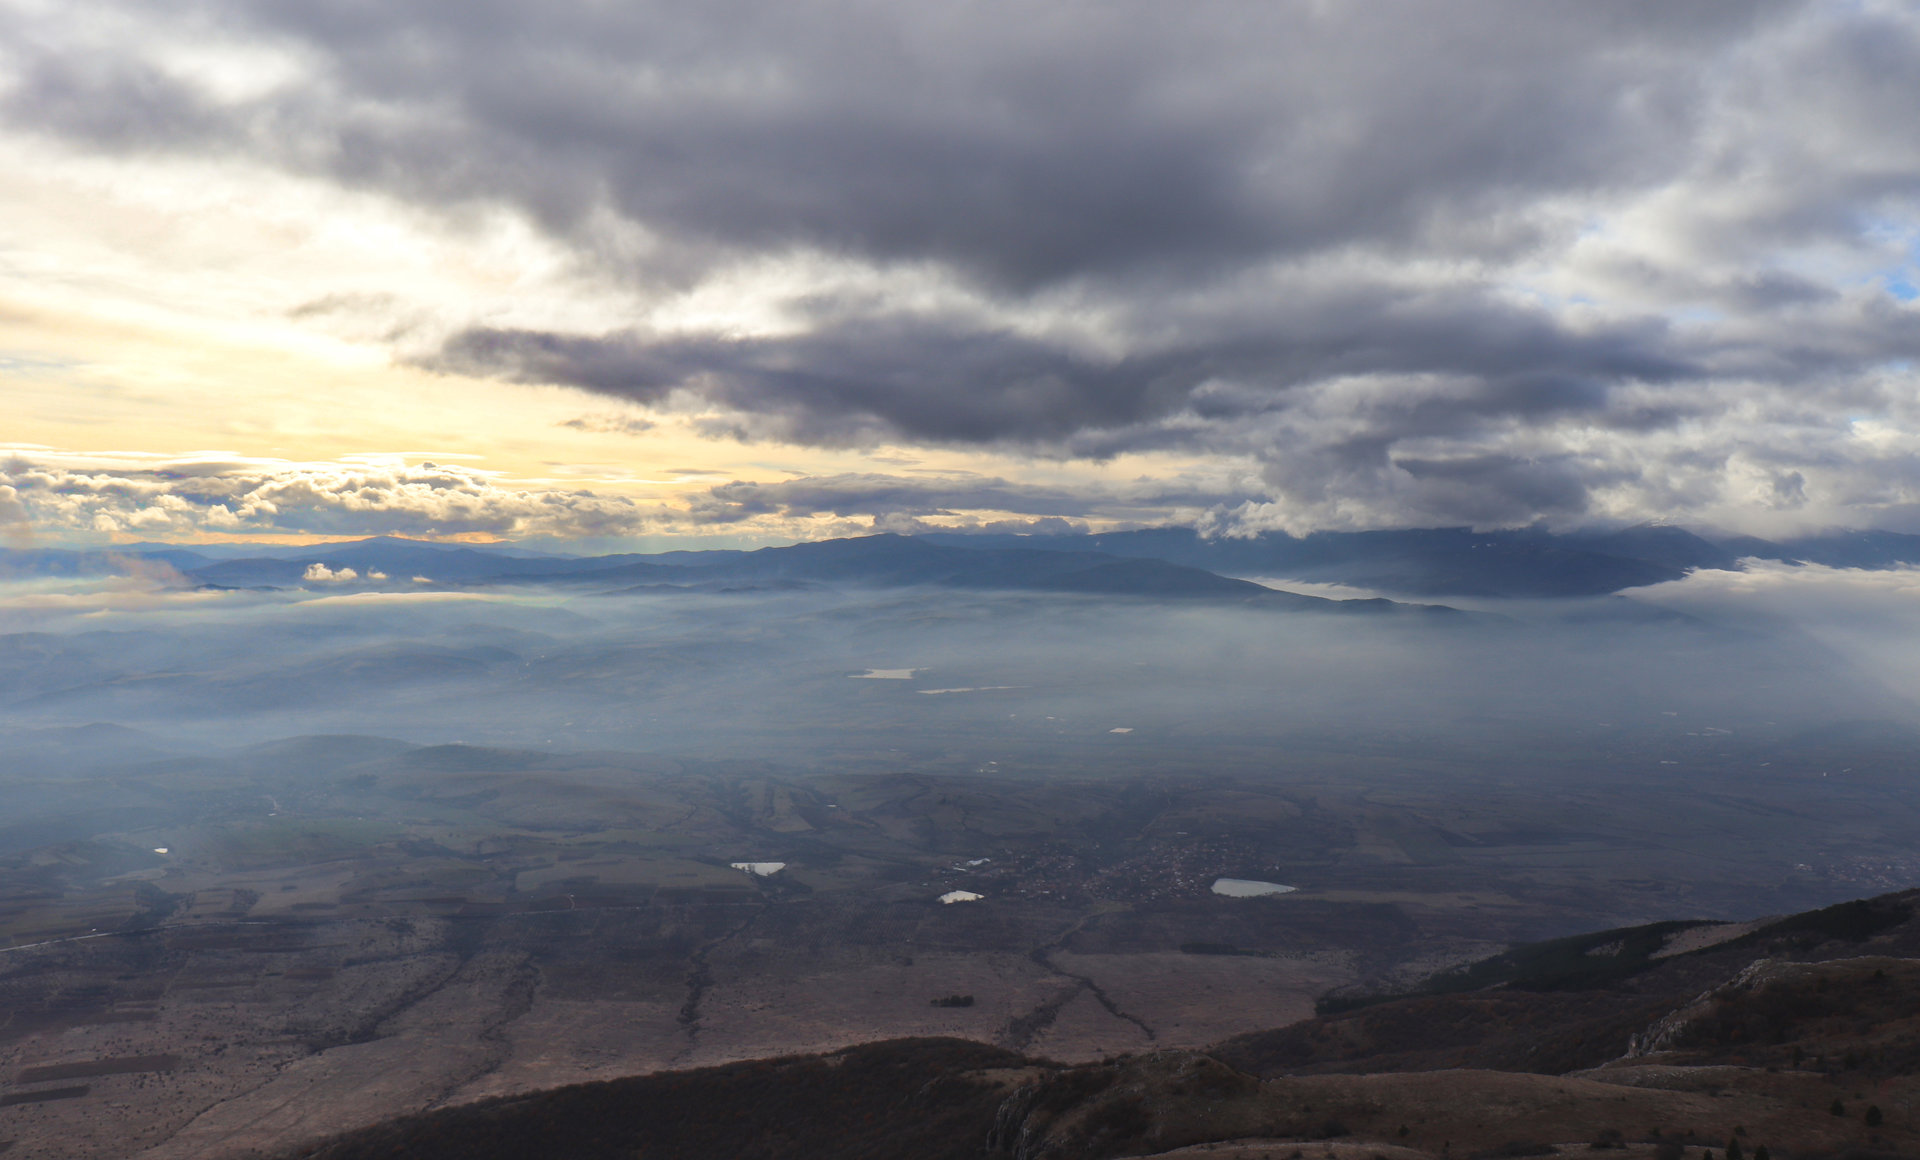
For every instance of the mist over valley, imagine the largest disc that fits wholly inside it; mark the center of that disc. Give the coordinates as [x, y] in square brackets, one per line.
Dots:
[505, 831]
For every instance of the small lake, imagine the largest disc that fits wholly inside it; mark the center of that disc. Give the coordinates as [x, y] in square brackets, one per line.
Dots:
[1247, 888]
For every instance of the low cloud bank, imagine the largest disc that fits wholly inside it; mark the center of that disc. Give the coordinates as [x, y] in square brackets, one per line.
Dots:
[1024, 677]
[1872, 617]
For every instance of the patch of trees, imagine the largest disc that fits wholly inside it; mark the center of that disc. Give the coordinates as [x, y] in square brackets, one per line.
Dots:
[902, 1098]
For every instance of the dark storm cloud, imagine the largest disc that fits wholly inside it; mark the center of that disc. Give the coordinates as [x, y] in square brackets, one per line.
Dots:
[1481, 253]
[1025, 146]
[942, 379]
[913, 376]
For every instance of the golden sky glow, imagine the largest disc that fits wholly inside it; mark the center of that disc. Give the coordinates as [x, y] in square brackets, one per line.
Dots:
[151, 315]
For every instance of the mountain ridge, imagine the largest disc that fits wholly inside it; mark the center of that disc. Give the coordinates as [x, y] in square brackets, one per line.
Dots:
[1418, 562]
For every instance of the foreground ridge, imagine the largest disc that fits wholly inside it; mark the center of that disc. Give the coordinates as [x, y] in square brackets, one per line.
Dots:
[1800, 1036]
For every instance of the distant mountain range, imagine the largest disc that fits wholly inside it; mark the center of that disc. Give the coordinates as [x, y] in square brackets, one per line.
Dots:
[1462, 562]
[885, 561]
[1156, 562]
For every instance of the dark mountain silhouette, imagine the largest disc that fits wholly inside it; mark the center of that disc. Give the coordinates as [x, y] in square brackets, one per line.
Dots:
[1840, 549]
[899, 561]
[871, 561]
[1528, 562]
[401, 560]
[1661, 544]
[1420, 562]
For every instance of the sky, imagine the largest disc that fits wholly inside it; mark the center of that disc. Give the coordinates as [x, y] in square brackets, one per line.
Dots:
[682, 274]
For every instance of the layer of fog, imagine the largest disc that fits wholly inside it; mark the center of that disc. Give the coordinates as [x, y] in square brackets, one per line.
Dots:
[1872, 618]
[1323, 589]
[1043, 680]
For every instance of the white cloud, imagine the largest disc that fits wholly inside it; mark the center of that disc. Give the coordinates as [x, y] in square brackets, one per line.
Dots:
[171, 498]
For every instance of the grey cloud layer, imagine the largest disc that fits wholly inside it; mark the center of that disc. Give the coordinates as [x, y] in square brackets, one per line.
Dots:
[941, 379]
[1030, 146]
[1484, 261]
